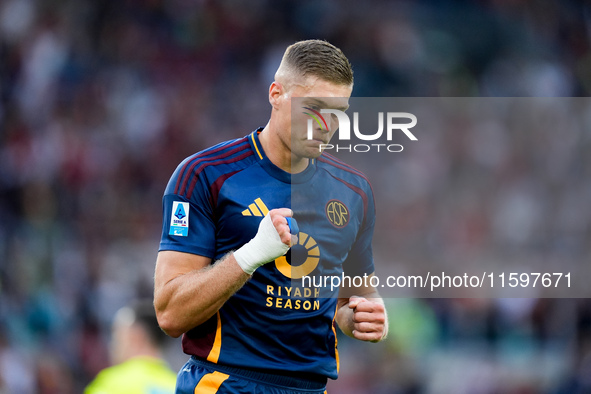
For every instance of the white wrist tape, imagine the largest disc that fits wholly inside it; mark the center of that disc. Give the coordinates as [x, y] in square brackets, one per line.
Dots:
[266, 246]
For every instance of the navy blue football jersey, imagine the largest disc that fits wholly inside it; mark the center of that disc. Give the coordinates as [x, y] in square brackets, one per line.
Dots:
[214, 203]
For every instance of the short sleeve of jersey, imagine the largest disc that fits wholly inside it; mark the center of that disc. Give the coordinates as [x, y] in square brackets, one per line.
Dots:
[360, 258]
[188, 224]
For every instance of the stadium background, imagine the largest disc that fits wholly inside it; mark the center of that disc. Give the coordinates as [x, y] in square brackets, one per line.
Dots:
[100, 100]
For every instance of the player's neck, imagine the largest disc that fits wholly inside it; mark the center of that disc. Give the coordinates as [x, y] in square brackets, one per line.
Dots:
[280, 154]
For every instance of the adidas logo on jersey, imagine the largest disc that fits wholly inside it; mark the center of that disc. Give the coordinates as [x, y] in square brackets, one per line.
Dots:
[257, 208]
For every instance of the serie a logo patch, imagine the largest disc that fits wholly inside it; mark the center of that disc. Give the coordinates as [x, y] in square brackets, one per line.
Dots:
[179, 220]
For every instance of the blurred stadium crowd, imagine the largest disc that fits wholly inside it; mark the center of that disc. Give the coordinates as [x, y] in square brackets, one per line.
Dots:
[100, 100]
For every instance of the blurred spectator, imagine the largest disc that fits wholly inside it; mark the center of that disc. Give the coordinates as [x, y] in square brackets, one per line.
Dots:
[138, 367]
[100, 99]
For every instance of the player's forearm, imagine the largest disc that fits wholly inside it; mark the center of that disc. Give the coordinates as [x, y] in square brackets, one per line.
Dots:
[192, 298]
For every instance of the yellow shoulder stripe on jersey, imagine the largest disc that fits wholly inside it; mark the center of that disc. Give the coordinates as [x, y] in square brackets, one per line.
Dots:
[255, 146]
[210, 383]
[214, 353]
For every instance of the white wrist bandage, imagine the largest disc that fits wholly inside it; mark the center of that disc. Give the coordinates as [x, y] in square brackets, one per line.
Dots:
[266, 246]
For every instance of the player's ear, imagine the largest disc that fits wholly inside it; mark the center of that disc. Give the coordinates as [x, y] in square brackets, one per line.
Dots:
[276, 91]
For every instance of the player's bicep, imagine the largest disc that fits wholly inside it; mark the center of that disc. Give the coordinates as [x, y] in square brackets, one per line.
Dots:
[173, 283]
[171, 265]
[171, 268]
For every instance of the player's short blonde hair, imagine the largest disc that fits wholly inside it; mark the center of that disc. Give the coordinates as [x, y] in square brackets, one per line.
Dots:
[318, 58]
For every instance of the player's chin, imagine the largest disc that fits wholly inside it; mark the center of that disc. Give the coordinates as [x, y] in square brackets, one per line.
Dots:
[312, 151]
[312, 154]
[315, 153]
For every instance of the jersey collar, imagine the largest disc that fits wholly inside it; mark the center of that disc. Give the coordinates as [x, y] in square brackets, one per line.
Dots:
[272, 169]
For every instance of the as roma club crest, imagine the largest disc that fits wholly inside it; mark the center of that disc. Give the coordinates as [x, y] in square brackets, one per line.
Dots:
[337, 213]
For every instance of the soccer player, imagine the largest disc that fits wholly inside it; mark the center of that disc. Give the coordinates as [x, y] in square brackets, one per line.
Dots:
[135, 352]
[221, 276]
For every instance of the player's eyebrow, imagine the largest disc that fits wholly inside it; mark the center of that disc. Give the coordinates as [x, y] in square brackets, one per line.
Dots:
[325, 105]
